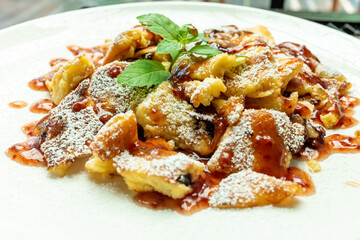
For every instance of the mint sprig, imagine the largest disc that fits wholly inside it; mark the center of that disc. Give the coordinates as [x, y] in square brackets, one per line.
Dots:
[176, 38]
[177, 41]
[143, 73]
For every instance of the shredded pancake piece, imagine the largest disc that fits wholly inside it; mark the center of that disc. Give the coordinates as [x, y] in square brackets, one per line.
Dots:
[66, 133]
[260, 137]
[249, 189]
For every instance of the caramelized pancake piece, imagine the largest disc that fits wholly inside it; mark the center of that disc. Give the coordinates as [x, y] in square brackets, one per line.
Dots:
[263, 31]
[65, 133]
[299, 51]
[288, 68]
[113, 138]
[275, 101]
[263, 140]
[204, 92]
[250, 189]
[162, 114]
[307, 83]
[172, 175]
[117, 135]
[316, 84]
[145, 166]
[231, 40]
[110, 96]
[126, 43]
[214, 67]
[96, 54]
[324, 71]
[68, 76]
[231, 108]
[322, 92]
[263, 72]
[258, 77]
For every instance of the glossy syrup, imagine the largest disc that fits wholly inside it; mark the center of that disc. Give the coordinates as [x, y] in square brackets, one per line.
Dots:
[199, 198]
[38, 84]
[352, 184]
[18, 104]
[95, 53]
[28, 152]
[191, 203]
[42, 106]
[335, 143]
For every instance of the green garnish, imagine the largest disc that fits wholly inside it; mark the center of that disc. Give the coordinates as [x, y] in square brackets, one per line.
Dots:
[205, 50]
[159, 24]
[176, 39]
[143, 73]
[169, 46]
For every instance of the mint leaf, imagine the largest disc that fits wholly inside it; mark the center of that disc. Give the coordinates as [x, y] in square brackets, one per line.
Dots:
[201, 37]
[187, 34]
[159, 24]
[169, 46]
[143, 73]
[205, 50]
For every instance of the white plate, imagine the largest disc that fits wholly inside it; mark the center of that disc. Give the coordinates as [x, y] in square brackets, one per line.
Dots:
[34, 204]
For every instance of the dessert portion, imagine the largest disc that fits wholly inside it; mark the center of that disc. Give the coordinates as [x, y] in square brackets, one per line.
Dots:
[250, 189]
[263, 141]
[163, 114]
[145, 166]
[66, 131]
[192, 120]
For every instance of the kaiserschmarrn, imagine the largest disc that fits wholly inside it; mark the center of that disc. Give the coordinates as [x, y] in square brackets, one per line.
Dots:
[222, 128]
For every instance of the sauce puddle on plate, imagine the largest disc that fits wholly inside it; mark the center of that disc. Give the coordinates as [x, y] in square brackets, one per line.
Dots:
[353, 184]
[42, 106]
[18, 104]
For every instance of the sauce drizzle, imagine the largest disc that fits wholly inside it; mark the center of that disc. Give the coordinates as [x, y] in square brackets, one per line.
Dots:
[191, 203]
[198, 199]
[38, 84]
[28, 152]
[42, 106]
[18, 104]
[352, 184]
[335, 143]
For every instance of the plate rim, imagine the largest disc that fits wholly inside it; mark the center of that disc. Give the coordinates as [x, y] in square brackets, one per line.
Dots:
[174, 3]
[217, 212]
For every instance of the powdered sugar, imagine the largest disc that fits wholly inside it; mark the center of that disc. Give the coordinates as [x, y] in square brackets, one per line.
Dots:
[201, 116]
[236, 140]
[169, 167]
[261, 64]
[68, 132]
[235, 114]
[293, 134]
[162, 114]
[105, 88]
[326, 71]
[257, 76]
[242, 188]
[77, 129]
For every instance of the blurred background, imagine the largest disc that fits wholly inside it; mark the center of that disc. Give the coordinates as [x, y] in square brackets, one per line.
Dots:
[343, 15]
